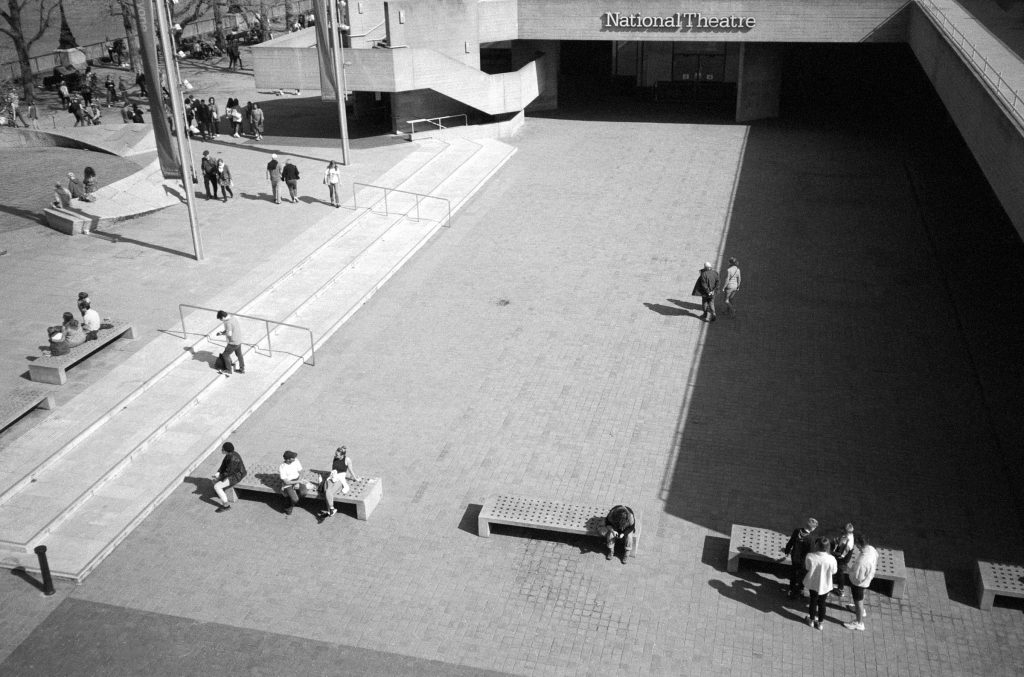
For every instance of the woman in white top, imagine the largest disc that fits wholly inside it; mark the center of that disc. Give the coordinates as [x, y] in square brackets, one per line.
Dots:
[332, 177]
[821, 567]
[732, 283]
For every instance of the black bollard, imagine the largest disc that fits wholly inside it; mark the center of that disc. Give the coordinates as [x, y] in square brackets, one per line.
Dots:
[44, 569]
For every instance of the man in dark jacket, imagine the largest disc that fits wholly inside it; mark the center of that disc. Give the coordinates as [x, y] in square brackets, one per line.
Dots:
[290, 174]
[705, 288]
[209, 169]
[619, 525]
[797, 547]
[231, 472]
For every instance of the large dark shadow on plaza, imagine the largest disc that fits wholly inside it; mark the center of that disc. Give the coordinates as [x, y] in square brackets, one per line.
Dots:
[872, 369]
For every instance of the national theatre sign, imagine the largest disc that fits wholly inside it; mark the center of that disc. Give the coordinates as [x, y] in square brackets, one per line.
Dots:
[680, 21]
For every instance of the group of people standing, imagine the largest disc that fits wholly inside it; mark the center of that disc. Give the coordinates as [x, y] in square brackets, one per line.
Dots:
[204, 118]
[823, 566]
[293, 486]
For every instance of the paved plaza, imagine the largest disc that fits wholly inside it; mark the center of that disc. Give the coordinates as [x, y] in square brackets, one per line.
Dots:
[546, 345]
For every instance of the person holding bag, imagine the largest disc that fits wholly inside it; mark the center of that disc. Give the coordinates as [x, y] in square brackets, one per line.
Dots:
[224, 180]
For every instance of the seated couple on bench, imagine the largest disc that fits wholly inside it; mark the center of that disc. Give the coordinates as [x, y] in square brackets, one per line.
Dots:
[71, 332]
[294, 488]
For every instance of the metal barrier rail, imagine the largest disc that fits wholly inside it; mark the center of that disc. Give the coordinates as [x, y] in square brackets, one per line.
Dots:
[999, 85]
[355, 200]
[265, 321]
[437, 121]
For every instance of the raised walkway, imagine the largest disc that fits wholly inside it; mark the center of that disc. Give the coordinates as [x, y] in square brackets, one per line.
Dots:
[82, 480]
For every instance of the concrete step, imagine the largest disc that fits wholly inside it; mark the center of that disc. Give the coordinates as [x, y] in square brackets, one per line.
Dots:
[84, 502]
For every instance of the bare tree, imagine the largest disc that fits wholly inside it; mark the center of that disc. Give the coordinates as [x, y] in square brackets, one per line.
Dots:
[15, 30]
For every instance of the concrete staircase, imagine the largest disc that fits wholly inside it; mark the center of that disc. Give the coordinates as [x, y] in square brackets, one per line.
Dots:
[86, 476]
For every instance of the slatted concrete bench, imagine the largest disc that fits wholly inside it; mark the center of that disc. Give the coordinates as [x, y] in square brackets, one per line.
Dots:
[1004, 580]
[53, 368]
[569, 518]
[68, 221]
[364, 492]
[765, 545]
[23, 400]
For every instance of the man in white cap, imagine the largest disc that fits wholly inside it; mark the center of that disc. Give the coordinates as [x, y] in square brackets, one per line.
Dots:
[705, 288]
[274, 174]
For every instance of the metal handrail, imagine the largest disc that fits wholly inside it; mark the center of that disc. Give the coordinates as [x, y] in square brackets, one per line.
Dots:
[363, 35]
[985, 69]
[355, 200]
[412, 123]
[264, 320]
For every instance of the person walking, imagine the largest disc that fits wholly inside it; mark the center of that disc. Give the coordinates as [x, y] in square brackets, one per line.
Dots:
[257, 121]
[86, 93]
[249, 120]
[231, 472]
[140, 80]
[797, 548]
[233, 332]
[64, 93]
[224, 181]
[341, 470]
[332, 177]
[705, 288]
[292, 487]
[861, 572]
[290, 174]
[821, 567]
[274, 174]
[210, 178]
[732, 284]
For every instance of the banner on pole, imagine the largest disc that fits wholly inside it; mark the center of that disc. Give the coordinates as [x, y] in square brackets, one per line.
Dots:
[323, 50]
[146, 24]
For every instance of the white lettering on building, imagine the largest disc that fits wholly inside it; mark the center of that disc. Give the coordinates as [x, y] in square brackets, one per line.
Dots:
[679, 21]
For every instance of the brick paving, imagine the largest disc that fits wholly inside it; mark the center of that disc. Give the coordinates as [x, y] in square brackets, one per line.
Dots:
[547, 346]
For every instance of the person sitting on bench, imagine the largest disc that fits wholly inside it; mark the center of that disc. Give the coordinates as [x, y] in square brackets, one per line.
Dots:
[77, 189]
[291, 486]
[58, 346]
[231, 472]
[341, 470]
[73, 334]
[61, 197]
[619, 525]
[90, 320]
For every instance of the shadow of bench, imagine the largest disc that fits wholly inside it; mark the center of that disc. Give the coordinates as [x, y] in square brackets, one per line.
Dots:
[20, 402]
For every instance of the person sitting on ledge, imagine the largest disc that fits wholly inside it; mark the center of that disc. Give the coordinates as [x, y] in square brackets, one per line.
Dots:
[73, 334]
[58, 346]
[61, 197]
[89, 181]
[619, 525]
[77, 189]
[90, 321]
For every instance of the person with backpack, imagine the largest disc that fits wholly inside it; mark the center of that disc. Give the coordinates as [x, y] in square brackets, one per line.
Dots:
[619, 525]
[231, 472]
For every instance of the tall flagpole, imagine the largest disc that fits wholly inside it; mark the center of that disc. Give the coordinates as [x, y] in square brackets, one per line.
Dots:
[340, 86]
[181, 132]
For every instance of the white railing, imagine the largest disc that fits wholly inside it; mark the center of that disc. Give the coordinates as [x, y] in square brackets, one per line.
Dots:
[973, 56]
[437, 122]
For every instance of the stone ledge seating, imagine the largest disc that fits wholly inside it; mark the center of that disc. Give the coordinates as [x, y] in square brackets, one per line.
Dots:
[20, 402]
[766, 545]
[364, 493]
[53, 369]
[1005, 580]
[569, 518]
[68, 221]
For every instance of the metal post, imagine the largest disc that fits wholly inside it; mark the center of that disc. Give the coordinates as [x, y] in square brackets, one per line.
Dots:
[44, 569]
[417, 207]
[270, 348]
[178, 114]
[386, 212]
[340, 86]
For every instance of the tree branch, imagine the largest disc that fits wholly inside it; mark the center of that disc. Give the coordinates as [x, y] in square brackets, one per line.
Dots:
[44, 20]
